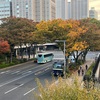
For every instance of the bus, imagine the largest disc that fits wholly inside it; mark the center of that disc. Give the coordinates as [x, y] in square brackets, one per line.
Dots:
[44, 57]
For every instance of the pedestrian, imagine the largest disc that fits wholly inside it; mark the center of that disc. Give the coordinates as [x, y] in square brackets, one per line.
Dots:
[79, 72]
[80, 67]
[82, 72]
[86, 67]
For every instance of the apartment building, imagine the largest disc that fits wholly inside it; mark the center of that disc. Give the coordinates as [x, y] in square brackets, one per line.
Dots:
[78, 9]
[45, 10]
[93, 13]
[61, 9]
[96, 5]
[23, 8]
[36, 10]
[5, 9]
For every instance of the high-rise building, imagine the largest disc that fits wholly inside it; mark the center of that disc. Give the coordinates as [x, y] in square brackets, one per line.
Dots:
[23, 8]
[78, 9]
[93, 13]
[5, 9]
[45, 10]
[61, 9]
[95, 4]
[36, 10]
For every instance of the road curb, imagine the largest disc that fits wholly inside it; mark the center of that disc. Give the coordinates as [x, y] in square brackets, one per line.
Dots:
[15, 66]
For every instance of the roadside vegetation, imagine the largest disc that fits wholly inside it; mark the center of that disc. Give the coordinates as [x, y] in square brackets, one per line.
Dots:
[79, 36]
[66, 90]
[89, 71]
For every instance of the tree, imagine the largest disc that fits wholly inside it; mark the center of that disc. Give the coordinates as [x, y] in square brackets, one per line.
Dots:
[49, 31]
[74, 43]
[4, 46]
[92, 35]
[17, 31]
[69, 30]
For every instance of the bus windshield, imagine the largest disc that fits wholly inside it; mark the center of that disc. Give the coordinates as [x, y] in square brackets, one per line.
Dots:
[40, 55]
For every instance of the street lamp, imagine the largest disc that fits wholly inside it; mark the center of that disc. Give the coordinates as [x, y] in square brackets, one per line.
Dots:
[64, 41]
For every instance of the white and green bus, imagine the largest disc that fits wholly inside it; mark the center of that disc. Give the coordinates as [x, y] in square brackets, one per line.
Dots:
[44, 57]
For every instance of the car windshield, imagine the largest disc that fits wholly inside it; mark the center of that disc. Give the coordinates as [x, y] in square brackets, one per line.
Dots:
[57, 65]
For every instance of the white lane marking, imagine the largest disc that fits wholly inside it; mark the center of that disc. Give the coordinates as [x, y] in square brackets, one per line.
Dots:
[26, 72]
[21, 77]
[30, 91]
[2, 72]
[15, 72]
[5, 72]
[41, 71]
[37, 73]
[33, 68]
[47, 69]
[14, 88]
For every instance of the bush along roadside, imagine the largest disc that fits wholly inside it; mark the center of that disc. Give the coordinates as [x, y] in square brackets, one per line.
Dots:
[88, 80]
[88, 73]
[74, 66]
[4, 64]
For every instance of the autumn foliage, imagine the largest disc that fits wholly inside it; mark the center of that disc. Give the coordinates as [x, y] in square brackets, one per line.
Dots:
[80, 35]
[4, 46]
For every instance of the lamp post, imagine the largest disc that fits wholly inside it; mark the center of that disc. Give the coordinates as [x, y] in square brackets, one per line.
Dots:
[64, 41]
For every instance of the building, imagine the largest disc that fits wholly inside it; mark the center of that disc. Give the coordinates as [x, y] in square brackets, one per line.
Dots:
[45, 10]
[61, 9]
[36, 10]
[5, 9]
[96, 5]
[93, 13]
[78, 9]
[23, 8]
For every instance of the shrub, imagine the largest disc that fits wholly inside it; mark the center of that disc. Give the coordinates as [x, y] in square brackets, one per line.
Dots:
[88, 73]
[66, 90]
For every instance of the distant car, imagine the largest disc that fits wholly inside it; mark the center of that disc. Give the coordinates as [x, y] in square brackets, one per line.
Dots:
[71, 59]
[35, 60]
[58, 68]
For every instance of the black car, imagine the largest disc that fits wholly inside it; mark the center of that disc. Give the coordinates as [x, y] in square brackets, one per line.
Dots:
[58, 68]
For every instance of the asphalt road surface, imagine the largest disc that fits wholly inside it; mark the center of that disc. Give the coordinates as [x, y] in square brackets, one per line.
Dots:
[19, 83]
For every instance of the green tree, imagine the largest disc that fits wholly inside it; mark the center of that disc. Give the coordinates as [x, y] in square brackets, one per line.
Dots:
[17, 31]
[92, 35]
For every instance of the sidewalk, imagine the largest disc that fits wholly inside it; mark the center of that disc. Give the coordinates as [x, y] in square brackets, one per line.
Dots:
[79, 77]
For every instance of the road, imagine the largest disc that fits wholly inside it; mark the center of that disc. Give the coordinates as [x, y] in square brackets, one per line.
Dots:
[19, 83]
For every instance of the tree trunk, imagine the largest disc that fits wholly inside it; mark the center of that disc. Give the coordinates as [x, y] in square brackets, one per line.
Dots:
[28, 52]
[11, 54]
[11, 57]
[21, 52]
